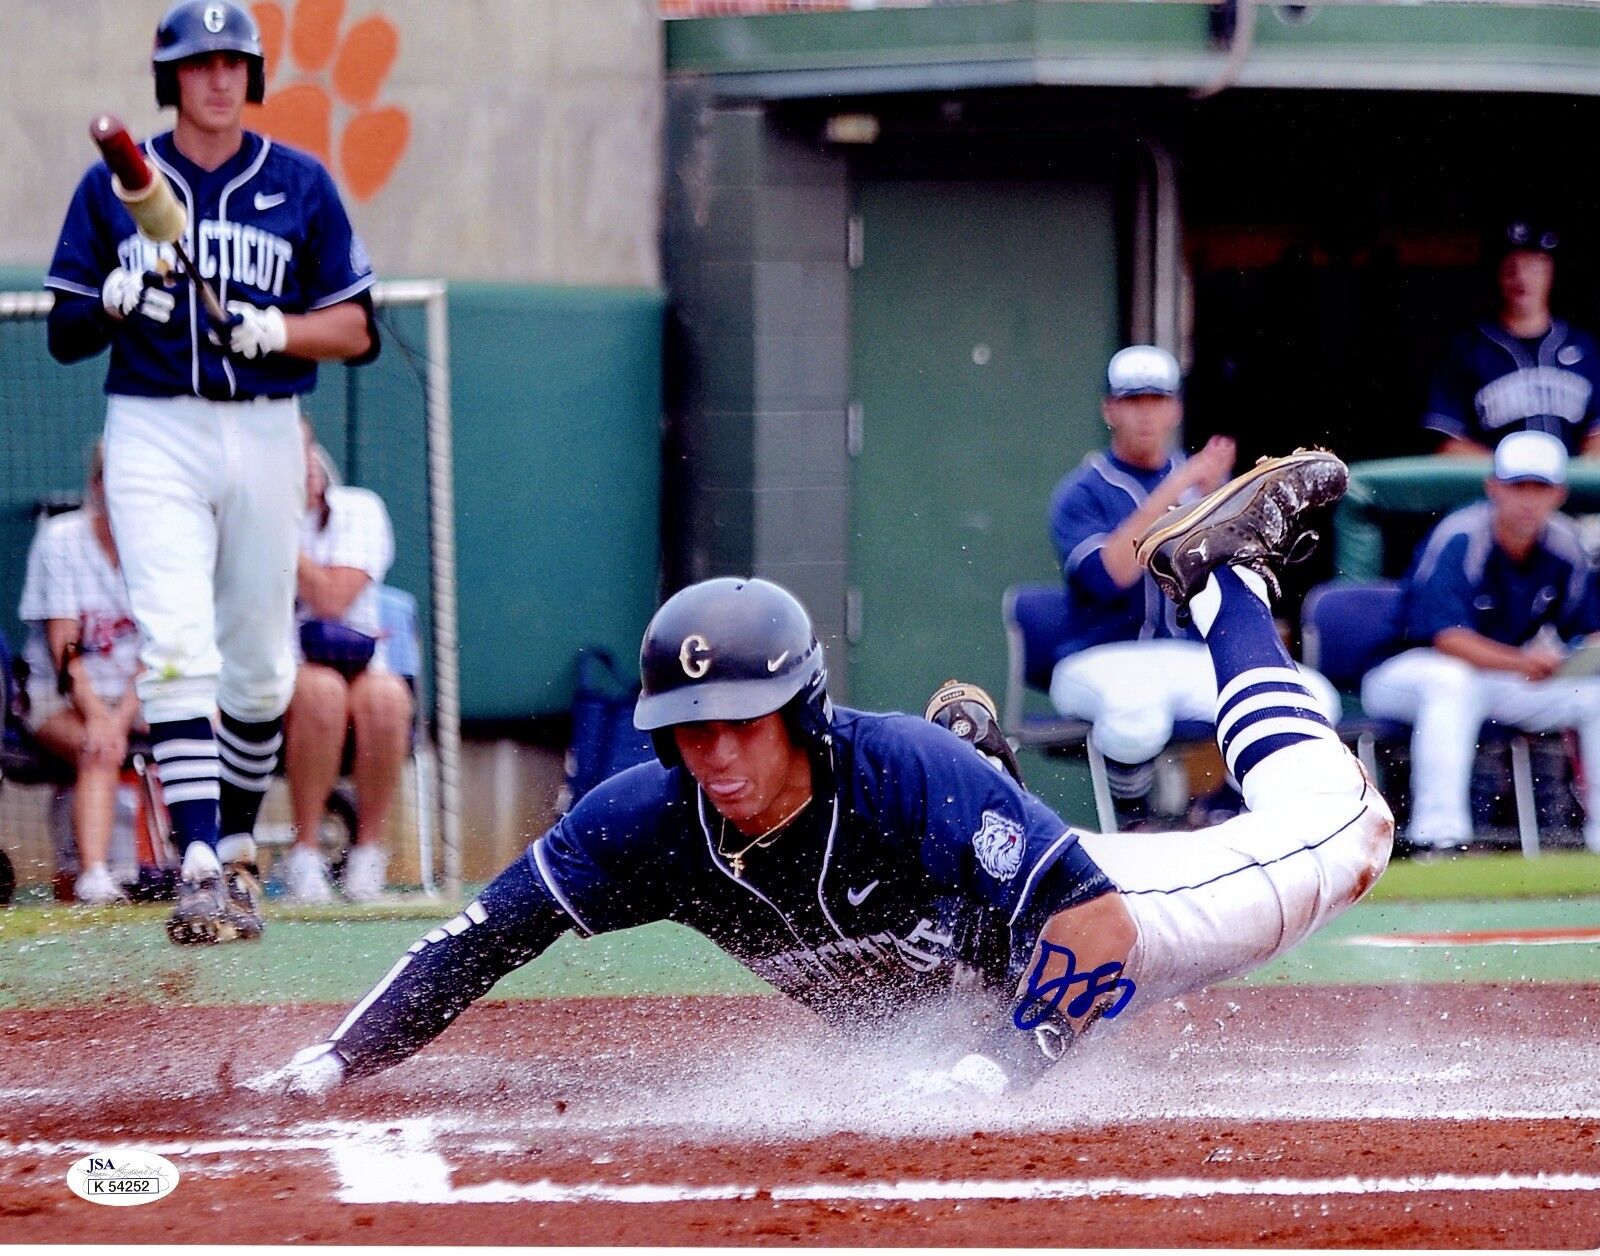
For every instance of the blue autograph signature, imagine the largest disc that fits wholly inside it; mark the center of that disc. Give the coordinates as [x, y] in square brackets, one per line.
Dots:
[1044, 997]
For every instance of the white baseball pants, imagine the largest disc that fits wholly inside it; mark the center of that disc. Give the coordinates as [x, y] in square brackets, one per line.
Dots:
[1446, 701]
[1218, 902]
[1133, 691]
[205, 499]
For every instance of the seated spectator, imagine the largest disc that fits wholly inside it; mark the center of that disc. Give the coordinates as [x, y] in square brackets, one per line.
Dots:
[345, 696]
[1130, 668]
[1491, 596]
[83, 654]
[1522, 371]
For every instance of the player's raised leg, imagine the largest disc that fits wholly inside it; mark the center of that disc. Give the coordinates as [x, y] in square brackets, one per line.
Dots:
[1316, 835]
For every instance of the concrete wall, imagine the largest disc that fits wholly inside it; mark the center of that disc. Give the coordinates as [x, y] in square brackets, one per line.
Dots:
[507, 140]
[756, 476]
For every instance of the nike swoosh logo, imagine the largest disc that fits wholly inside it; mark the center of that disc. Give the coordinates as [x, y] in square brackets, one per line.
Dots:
[774, 664]
[857, 897]
[265, 201]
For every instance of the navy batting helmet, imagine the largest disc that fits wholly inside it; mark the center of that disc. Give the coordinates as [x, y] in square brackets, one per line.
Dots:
[197, 27]
[731, 649]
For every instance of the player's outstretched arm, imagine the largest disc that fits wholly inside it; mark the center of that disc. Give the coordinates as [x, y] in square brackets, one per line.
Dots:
[1073, 977]
[449, 967]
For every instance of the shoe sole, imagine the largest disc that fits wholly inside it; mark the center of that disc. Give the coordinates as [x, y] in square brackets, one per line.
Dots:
[243, 911]
[200, 932]
[210, 932]
[1195, 515]
[960, 691]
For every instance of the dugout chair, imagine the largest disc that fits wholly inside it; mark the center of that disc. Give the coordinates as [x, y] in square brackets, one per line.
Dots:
[1035, 618]
[1347, 628]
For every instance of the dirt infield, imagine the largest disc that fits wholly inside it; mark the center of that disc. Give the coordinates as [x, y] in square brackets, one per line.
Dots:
[1436, 1116]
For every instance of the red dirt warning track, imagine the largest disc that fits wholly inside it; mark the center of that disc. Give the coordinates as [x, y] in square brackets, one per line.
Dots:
[1424, 1117]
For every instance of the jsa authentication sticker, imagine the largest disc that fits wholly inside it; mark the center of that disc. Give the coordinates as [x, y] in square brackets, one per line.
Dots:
[122, 1177]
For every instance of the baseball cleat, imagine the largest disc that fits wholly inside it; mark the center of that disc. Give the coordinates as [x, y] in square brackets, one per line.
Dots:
[970, 713]
[1252, 521]
[242, 908]
[201, 916]
[216, 902]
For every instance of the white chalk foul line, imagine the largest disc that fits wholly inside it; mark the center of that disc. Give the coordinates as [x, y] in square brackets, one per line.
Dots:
[366, 1190]
[397, 1163]
[400, 1166]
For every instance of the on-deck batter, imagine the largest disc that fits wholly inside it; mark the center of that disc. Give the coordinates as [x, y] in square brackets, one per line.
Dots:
[205, 474]
[874, 866]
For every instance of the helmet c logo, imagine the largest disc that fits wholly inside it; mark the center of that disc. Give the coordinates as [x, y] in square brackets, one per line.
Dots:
[695, 656]
[215, 18]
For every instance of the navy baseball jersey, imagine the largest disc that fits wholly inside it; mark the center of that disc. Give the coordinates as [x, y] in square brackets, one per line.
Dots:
[266, 227]
[1088, 505]
[916, 866]
[1461, 579]
[1492, 383]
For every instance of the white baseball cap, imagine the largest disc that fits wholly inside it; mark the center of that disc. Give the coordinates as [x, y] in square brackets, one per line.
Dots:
[1525, 456]
[1142, 371]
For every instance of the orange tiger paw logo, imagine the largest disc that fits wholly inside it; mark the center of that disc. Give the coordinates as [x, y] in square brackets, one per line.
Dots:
[317, 78]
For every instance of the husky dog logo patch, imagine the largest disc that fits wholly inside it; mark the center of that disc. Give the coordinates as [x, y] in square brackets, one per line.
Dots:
[999, 844]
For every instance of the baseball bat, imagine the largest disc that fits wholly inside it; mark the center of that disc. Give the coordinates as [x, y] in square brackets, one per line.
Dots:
[144, 190]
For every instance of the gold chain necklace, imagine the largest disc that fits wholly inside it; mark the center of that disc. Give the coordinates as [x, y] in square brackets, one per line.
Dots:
[735, 858]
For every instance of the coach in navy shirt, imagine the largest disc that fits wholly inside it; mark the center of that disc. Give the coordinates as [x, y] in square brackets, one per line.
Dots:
[1494, 597]
[1127, 665]
[1523, 371]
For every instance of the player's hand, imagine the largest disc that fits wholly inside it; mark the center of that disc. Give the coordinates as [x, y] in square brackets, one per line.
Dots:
[1540, 661]
[254, 332]
[310, 1075]
[105, 740]
[128, 292]
[973, 1076]
[1213, 465]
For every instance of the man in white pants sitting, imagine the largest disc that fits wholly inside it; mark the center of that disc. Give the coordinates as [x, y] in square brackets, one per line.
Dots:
[1130, 666]
[1492, 598]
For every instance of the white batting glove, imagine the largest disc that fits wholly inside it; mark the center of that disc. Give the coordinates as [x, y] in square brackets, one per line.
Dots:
[256, 332]
[310, 1075]
[971, 1075]
[127, 292]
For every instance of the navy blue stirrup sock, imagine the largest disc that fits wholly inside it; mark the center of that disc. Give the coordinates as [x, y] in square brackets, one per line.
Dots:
[185, 752]
[1263, 704]
[249, 756]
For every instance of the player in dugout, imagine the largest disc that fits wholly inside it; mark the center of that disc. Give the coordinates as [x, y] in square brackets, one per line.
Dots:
[872, 866]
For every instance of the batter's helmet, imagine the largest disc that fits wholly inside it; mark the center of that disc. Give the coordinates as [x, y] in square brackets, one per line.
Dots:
[731, 649]
[197, 27]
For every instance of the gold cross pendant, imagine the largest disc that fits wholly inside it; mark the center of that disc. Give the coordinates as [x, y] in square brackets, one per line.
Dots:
[736, 862]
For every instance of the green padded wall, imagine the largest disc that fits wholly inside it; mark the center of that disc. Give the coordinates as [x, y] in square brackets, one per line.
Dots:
[556, 407]
[557, 396]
